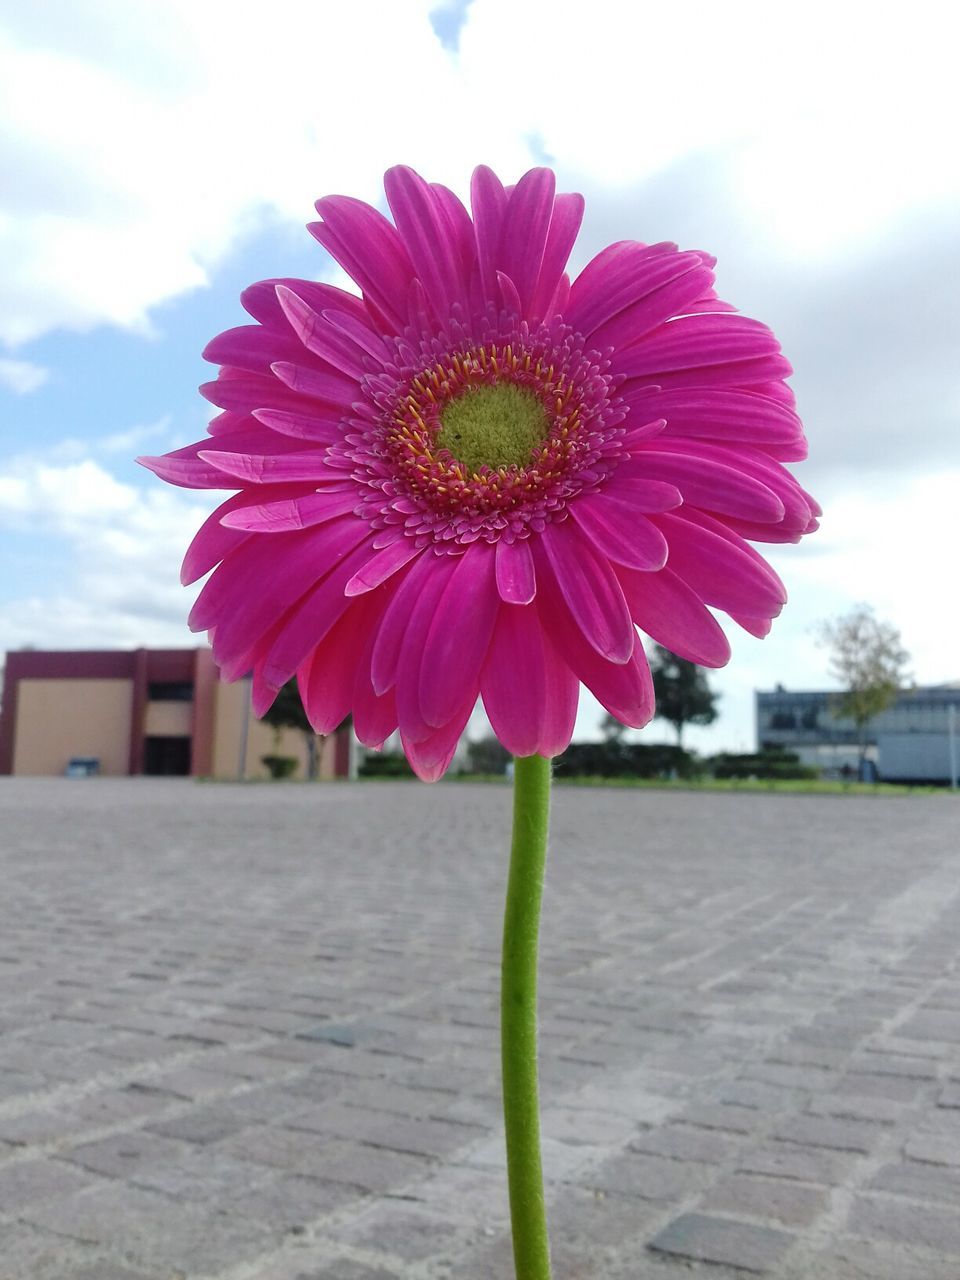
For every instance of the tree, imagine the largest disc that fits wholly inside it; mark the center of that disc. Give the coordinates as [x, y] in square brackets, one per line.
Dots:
[869, 660]
[287, 713]
[612, 728]
[683, 695]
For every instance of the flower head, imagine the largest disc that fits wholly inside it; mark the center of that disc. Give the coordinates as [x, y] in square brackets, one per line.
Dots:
[479, 478]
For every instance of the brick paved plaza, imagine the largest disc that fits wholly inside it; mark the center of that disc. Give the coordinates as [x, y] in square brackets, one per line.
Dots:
[250, 1033]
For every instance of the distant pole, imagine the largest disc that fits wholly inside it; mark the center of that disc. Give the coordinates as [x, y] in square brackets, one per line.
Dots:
[952, 733]
[244, 731]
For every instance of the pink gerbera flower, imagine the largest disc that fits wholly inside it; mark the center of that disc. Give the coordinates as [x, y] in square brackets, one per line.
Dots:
[478, 479]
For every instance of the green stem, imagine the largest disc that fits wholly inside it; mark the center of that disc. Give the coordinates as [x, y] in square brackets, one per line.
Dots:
[518, 1017]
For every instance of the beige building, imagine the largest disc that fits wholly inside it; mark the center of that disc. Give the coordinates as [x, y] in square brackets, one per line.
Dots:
[143, 711]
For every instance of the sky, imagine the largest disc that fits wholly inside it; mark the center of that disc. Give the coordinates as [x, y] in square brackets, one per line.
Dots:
[158, 157]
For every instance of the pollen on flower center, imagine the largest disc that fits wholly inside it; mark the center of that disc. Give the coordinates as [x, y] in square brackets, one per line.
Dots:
[494, 425]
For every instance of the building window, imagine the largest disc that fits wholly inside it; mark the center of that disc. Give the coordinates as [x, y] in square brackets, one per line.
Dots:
[170, 691]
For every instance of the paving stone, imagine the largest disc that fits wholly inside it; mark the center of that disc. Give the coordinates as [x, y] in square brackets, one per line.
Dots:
[927, 1226]
[919, 1181]
[724, 1241]
[342, 1269]
[934, 1148]
[785, 1201]
[726, 1119]
[291, 1203]
[685, 1142]
[403, 1229]
[424, 1137]
[125, 1155]
[28, 1181]
[311, 1155]
[587, 1225]
[29, 1251]
[852, 1258]
[647, 1177]
[823, 1131]
[881, 1111]
[807, 1164]
[894, 1088]
[174, 942]
[105, 1270]
[201, 1124]
[932, 1024]
[198, 1174]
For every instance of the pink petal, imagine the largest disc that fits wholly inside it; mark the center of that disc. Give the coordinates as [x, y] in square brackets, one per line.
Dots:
[624, 688]
[212, 542]
[360, 333]
[516, 578]
[414, 725]
[319, 609]
[249, 590]
[459, 635]
[526, 225]
[430, 757]
[327, 678]
[719, 349]
[488, 201]
[671, 612]
[260, 300]
[319, 336]
[430, 572]
[513, 680]
[374, 715]
[561, 696]
[721, 572]
[302, 512]
[460, 234]
[383, 565]
[754, 464]
[307, 465]
[758, 627]
[613, 279]
[186, 467]
[646, 496]
[425, 231]
[330, 388]
[720, 415]
[321, 426]
[253, 348]
[509, 294]
[255, 391]
[564, 226]
[671, 298]
[705, 481]
[370, 250]
[617, 529]
[589, 587]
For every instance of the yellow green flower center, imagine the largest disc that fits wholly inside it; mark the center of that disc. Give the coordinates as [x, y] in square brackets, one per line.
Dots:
[496, 425]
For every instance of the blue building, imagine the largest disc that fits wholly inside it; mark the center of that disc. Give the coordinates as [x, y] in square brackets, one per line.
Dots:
[910, 741]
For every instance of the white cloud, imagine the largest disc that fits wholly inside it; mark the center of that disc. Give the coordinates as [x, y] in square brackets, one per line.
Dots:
[115, 581]
[21, 376]
[152, 136]
[130, 188]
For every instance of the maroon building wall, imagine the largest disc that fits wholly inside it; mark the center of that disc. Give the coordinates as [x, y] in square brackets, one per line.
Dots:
[140, 665]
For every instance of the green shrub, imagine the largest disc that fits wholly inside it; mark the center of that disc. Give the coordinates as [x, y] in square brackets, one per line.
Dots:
[280, 766]
[771, 763]
[385, 765]
[613, 759]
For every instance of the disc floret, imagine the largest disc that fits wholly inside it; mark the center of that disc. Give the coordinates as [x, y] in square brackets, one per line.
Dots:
[488, 437]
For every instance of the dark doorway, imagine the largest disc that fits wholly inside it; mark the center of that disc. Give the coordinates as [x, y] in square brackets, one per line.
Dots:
[167, 757]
